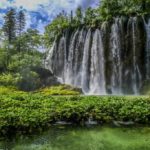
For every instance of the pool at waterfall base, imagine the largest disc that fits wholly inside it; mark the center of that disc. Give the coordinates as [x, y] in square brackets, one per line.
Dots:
[81, 138]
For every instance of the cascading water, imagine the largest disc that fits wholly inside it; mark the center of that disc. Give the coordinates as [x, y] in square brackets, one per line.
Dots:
[135, 72]
[116, 47]
[86, 63]
[78, 59]
[60, 59]
[71, 58]
[49, 60]
[97, 77]
[102, 61]
[147, 27]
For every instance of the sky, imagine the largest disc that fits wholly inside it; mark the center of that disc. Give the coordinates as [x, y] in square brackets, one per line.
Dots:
[41, 12]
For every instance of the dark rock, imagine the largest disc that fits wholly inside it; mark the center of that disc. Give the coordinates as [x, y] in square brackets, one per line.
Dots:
[46, 77]
[123, 123]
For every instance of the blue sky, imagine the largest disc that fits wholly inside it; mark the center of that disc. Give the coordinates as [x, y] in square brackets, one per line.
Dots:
[40, 12]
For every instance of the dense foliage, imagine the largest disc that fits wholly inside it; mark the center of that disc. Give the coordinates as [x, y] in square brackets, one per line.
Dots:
[93, 17]
[19, 53]
[109, 9]
[25, 111]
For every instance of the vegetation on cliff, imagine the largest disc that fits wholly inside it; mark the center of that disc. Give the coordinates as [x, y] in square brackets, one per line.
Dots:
[94, 17]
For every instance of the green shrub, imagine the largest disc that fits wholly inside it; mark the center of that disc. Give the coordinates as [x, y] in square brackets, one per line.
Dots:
[60, 90]
[9, 90]
[25, 112]
[29, 80]
[23, 61]
[26, 80]
[8, 79]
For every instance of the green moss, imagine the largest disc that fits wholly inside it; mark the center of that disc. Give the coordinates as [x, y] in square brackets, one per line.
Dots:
[145, 90]
[60, 90]
[9, 90]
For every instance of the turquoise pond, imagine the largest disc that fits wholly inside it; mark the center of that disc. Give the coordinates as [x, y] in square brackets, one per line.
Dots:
[82, 138]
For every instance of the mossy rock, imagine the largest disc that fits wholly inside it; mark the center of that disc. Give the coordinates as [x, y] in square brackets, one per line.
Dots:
[145, 90]
[47, 78]
[61, 90]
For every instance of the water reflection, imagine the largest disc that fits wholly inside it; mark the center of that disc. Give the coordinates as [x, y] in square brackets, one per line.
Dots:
[82, 138]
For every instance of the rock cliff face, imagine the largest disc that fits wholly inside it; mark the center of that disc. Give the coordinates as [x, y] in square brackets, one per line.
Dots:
[113, 59]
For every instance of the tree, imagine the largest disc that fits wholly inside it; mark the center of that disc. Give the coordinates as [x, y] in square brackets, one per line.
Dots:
[3, 58]
[20, 27]
[71, 17]
[79, 16]
[9, 26]
[89, 16]
[144, 5]
[30, 40]
[109, 9]
[21, 22]
[55, 28]
[9, 29]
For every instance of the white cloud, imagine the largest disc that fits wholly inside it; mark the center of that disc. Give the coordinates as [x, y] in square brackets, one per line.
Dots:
[4, 4]
[29, 4]
[34, 4]
[47, 9]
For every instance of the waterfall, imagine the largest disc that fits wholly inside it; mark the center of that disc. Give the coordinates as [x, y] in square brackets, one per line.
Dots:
[79, 58]
[136, 75]
[86, 63]
[106, 60]
[49, 60]
[97, 78]
[116, 47]
[147, 28]
[70, 65]
[60, 59]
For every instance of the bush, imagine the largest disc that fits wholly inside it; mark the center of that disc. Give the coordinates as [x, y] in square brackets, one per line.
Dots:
[10, 90]
[22, 61]
[25, 112]
[29, 80]
[8, 79]
[6, 90]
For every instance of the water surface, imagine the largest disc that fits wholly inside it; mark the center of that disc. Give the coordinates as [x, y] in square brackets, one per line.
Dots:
[82, 138]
